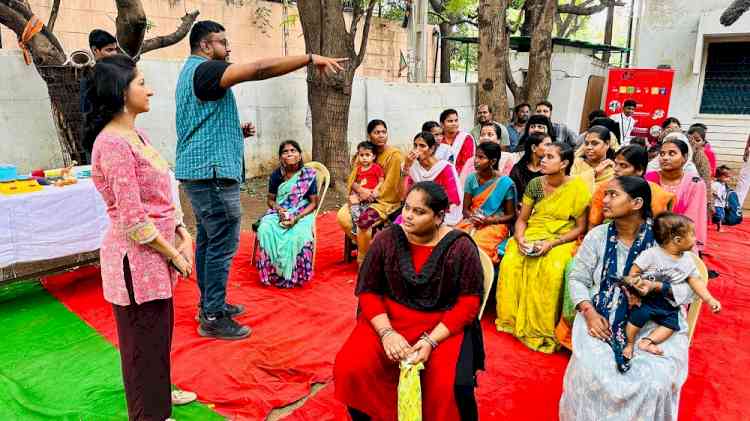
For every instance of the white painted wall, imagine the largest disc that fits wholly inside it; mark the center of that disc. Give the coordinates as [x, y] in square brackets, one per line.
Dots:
[570, 77]
[27, 136]
[668, 32]
[278, 107]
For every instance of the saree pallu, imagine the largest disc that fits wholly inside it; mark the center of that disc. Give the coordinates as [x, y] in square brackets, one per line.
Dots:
[286, 254]
[530, 290]
[488, 198]
[587, 174]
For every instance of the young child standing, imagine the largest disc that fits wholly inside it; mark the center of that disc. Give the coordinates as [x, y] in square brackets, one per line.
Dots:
[720, 192]
[370, 176]
[669, 263]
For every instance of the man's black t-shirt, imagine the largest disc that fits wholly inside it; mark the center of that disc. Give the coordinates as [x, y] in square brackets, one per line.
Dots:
[207, 80]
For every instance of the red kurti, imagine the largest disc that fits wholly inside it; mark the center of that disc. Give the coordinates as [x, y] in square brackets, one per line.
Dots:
[367, 380]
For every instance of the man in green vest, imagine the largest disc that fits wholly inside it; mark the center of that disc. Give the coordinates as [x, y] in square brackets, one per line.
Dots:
[210, 160]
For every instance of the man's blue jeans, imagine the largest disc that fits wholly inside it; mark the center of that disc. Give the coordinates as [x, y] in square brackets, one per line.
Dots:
[218, 213]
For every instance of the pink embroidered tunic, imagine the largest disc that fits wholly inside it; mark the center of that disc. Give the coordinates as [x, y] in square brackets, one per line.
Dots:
[136, 185]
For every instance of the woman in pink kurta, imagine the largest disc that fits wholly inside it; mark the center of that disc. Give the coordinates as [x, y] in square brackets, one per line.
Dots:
[139, 259]
[686, 185]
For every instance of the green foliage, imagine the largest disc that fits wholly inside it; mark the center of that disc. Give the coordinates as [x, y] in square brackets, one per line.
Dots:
[460, 7]
[464, 54]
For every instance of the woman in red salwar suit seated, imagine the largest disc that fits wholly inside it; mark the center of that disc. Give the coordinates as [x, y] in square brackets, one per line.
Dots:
[419, 288]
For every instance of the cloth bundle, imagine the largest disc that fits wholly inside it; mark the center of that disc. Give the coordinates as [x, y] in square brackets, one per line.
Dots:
[410, 392]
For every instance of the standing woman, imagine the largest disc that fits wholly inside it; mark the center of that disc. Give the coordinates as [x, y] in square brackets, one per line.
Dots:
[553, 216]
[688, 186]
[389, 198]
[285, 234]
[422, 165]
[596, 166]
[529, 166]
[146, 245]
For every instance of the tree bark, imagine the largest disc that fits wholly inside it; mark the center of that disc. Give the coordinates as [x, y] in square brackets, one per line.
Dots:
[608, 28]
[53, 16]
[173, 38]
[329, 97]
[540, 54]
[131, 26]
[446, 30]
[493, 57]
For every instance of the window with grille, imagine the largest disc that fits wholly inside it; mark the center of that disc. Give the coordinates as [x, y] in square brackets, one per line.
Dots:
[726, 84]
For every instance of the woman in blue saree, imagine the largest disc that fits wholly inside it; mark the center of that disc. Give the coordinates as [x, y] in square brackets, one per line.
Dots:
[489, 202]
[285, 234]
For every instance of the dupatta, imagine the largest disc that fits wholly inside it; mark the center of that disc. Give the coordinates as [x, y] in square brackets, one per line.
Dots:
[606, 301]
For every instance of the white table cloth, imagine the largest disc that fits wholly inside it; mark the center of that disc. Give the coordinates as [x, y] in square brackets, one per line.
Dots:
[51, 223]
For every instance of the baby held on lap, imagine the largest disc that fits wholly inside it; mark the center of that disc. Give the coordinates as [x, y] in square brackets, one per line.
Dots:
[670, 264]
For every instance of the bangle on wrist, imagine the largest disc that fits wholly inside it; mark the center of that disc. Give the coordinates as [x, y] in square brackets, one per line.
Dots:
[382, 333]
[425, 337]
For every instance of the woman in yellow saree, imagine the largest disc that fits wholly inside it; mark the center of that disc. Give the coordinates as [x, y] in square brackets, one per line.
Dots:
[594, 164]
[389, 198]
[489, 201]
[553, 216]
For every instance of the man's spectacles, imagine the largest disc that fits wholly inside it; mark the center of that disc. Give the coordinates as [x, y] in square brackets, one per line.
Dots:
[223, 41]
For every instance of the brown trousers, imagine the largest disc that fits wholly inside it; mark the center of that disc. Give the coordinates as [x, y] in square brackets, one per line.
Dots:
[145, 335]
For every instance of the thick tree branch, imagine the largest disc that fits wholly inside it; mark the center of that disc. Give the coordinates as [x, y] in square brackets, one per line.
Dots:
[131, 26]
[582, 10]
[734, 11]
[357, 13]
[45, 47]
[173, 38]
[454, 20]
[53, 16]
[365, 34]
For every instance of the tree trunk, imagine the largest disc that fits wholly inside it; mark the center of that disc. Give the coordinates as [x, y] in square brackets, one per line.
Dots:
[540, 54]
[329, 97]
[608, 27]
[493, 56]
[446, 30]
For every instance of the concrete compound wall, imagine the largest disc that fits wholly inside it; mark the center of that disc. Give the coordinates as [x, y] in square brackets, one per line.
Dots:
[278, 107]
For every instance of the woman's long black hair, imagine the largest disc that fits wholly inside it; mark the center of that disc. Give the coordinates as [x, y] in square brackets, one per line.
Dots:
[106, 93]
[534, 139]
[535, 119]
[637, 187]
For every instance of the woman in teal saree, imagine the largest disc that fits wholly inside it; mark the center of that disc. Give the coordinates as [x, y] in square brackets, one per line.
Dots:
[285, 234]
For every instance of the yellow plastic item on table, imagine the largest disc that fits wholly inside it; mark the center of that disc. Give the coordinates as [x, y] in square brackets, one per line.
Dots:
[57, 172]
[410, 392]
[19, 187]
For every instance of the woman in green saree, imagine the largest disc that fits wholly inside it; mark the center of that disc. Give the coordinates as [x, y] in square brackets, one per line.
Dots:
[285, 234]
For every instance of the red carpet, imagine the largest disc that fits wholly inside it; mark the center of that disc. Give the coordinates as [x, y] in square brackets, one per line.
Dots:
[298, 332]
